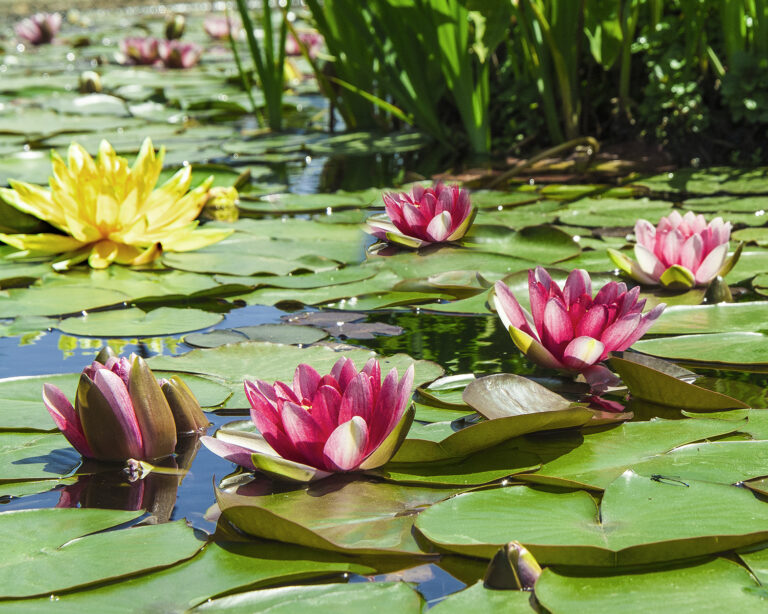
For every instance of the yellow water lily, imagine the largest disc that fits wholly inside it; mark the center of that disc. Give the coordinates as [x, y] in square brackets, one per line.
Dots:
[110, 211]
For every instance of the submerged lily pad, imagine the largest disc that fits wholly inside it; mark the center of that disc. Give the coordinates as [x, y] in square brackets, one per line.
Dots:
[640, 520]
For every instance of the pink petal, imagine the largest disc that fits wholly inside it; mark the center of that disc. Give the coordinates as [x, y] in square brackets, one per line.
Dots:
[671, 246]
[538, 296]
[711, 264]
[346, 446]
[387, 412]
[343, 372]
[305, 382]
[593, 322]
[509, 310]
[577, 285]
[440, 227]
[325, 408]
[583, 352]
[66, 418]
[357, 399]
[645, 233]
[691, 253]
[229, 451]
[648, 262]
[305, 435]
[116, 394]
[558, 329]
[646, 322]
[615, 336]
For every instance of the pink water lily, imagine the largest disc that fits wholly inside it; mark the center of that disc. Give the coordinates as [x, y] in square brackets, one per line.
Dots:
[122, 412]
[178, 54]
[568, 329]
[142, 50]
[38, 29]
[425, 215]
[218, 27]
[682, 251]
[311, 39]
[344, 421]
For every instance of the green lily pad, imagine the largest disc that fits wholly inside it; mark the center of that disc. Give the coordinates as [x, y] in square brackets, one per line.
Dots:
[541, 244]
[610, 212]
[322, 599]
[273, 333]
[54, 300]
[718, 585]
[713, 180]
[50, 558]
[595, 459]
[720, 318]
[220, 568]
[481, 600]
[640, 520]
[749, 350]
[33, 487]
[135, 322]
[352, 515]
[711, 205]
[35, 456]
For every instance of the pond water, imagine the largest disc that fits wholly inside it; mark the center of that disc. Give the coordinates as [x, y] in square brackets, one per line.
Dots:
[670, 493]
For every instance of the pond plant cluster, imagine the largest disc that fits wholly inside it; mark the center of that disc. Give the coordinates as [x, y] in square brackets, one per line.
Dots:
[546, 398]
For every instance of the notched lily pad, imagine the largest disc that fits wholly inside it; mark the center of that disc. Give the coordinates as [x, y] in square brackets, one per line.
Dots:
[273, 333]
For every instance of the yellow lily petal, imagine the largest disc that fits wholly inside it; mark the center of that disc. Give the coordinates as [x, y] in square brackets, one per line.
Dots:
[44, 243]
[103, 254]
[34, 200]
[189, 240]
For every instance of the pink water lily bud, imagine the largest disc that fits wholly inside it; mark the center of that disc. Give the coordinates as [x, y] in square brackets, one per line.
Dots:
[438, 214]
[568, 329]
[38, 29]
[141, 50]
[120, 412]
[178, 54]
[682, 251]
[347, 420]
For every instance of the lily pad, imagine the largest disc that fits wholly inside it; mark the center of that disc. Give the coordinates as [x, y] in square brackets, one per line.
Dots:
[321, 599]
[135, 322]
[717, 585]
[481, 600]
[220, 568]
[53, 300]
[749, 350]
[273, 333]
[339, 513]
[35, 456]
[720, 318]
[610, 212]
[51, 558]
[640, 520]
[595, 459]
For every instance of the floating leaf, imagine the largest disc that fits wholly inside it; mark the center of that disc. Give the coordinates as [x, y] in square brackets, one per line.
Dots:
[720, 318]
[339, 513]
[322, 599]
[34, 456]
[640, 520]
[718, 585]
[45, 556]
[747, 349]
[273, 333]
[135, 322]
[480, 600]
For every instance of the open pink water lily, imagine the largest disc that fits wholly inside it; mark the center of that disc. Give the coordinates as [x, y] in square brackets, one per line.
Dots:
[38, 29]
[122, 412]
[311, 39]
[682, 251]
[425, 215]
[568, 329]
[344, 421]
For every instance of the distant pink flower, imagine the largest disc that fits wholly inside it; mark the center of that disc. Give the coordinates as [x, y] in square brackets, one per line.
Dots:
[178, 54]
[344, 421]
[142, 50]
[311, 39]
[568, 329]
[218, 27]
[39, 29]
[425, 215]
[681, 251]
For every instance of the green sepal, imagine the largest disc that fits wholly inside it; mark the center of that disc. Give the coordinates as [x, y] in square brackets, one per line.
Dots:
[389, 447]
[677, 277]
